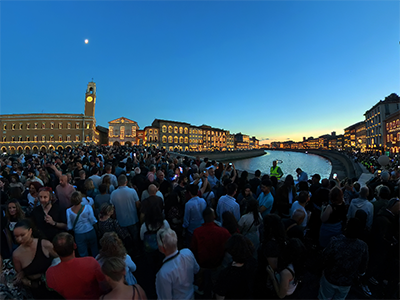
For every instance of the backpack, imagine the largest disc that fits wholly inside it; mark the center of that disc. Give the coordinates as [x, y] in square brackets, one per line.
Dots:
[150, 240]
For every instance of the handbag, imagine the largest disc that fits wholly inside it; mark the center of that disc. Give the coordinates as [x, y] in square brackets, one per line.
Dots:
[76, 219]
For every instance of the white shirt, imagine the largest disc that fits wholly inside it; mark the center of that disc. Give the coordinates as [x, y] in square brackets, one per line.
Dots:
[85, 221]
[296, 205]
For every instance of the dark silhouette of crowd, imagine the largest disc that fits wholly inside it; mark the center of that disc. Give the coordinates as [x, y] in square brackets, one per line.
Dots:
[139, 222]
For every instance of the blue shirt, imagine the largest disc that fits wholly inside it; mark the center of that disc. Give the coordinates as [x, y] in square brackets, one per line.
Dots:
[212, 180]
[227, 203]
[124, 199]
[176, 276]
[303, 176]
[267, 201]
[194, 213]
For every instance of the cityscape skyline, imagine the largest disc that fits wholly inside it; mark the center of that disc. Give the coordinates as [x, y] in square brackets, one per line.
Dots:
[231, 65]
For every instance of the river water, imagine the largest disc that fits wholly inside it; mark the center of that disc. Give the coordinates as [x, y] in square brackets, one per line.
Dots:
[309, 163]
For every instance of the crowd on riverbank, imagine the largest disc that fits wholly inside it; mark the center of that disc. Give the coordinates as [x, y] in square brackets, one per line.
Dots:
[140, 218]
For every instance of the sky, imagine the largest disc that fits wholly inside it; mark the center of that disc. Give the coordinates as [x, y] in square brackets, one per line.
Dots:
[277, 70]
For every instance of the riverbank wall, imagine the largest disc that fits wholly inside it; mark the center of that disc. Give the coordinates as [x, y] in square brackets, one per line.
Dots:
[226, 155]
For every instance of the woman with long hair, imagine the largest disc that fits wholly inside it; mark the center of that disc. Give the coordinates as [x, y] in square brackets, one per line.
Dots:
[229, 222]
[114, 269]
[108, 224]
[32, 259]
[80, 219]
[14, 214]
[107, 182]
[209, 196]
[91, 190]
[112, 246]
[249, 224]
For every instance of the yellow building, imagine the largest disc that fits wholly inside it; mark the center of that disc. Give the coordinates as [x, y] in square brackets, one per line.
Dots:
[174, 136]
[31, 133]
[122, 131]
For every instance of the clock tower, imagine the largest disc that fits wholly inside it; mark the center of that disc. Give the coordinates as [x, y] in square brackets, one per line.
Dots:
[90, 99]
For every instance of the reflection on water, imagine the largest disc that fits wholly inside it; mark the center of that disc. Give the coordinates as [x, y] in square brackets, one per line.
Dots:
[309, 163]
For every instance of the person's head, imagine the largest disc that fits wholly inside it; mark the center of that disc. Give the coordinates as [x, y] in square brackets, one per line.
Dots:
[112, 246]
[304, 196]
[152, 189]
[394, 206]
[247, 190]
[325, 183]
[76, 198]
[357, 186]
[107, 180]
[23, 232]
[64, 244]
[122, 180]
[182, 180]
[364, 191]
[167, 241]
[94, 171]
[229, 222]
[208, 215]
[103, 189]
[82, 174]
[78, 164]
[303, 186]
[336, 196]
[353, 228]
[316, 178]
[63, 180]
[14, 210]
[244, 175]
[289, 181]
[89, 185]
[152, 168]
[384, 193]
[298, 216]
[45, 196]
[106, 209]
[385, 176]
[274, 163]
[274, 228]
[211, 171]
[257, 173]
[239, 247]
[231, 189]
[160, 175]
[193, 189]
[298, 171]
[34, 187]
[114, 269]
[108, 169]
[266, 186]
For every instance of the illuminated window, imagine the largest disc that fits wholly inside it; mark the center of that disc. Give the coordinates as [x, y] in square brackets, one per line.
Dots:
[4, 139]
[186, 130]
[13, 139]
[76, 125]
[170, 139]
[175, 140]
[87, 138]
[13, 127]
[69, 126]
[186, 140]
[164, 129]
[20, 139]
[180, 130]
[87, 125]
[77, 138]
[68, 138]
[20, 126]
[43, 125]
[122, 132]
[181, 140]
[110, 131]
[60, 138]
[51, 138]
[59, 125]
[164, 139]
[155, 131]
[51, 125]
[170, 129]
[35, 138]
[150, 131]
[43, 138]
[27, 138]
[176, 129]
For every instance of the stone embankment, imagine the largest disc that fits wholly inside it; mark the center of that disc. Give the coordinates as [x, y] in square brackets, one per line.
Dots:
[225, 155]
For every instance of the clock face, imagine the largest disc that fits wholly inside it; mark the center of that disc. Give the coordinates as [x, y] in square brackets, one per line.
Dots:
[89, 99]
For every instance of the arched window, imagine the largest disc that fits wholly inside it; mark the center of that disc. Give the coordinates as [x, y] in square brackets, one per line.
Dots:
[181, 140]
[186, 130]
[176, 129]
[180, 130]
[150, 139]
[164, 129]
[170, 129]
[186, 140]
[170, 139]
[175, 140]
[164, 139]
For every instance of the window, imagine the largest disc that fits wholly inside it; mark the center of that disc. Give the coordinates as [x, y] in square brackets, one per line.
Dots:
[170, 139]
[155, 131]
[155, 139]
[43, 125]
[87, 125]
[68, 138]
[164, 139]
[170, 129]
[4, 126]
[181, 140]
[4, 139]
[150, 131]
[13, 127]
[176, 129]
[36, 125]
[77, 138]
[35, 138]
[164, 129]
[51, 138]
[60, 138]
[20, 139]
[186, 140]
[186, 130]
[76, 125]
[175, 140]
[150, 139]
[69, 126]
[51, 125]
[13, 139]
[27, 138]
[20, 126]
[59, 125]
[180, 130]
[87, 138]
[43, 138]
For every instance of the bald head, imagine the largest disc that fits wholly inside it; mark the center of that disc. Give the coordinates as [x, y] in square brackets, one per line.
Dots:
[298, 216]
[152, 189]
[63, 180]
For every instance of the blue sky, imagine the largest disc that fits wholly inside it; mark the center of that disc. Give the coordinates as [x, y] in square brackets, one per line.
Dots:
[277, 70]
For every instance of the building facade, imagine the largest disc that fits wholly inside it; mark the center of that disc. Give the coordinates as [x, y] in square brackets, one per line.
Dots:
[392, 133]
[122, 131]
[174, 136]
[151, 136]
[31, 133]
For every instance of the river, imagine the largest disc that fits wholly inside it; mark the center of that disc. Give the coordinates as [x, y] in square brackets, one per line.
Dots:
[309, 163]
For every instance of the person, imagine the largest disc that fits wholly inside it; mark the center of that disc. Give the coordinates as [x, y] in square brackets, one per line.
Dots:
[80, 219]
[126, 203]
[290, 268]
[265, 199]
[345, 258]
[362, 203]
[109, 224]
[14, 213]
[74, 278]
[175, 278]
[255, 181]
[244, 197]
[285, 196]
[33, 195]
[152, 200]
[301, 175]
[212, 179]
[236, 281]
[193, 215]
[112, 246]
[301, 203]
[293, 226]
[101, 198]
[32, 259]
[276, 171]
[112, 177]
[107, 182]
[49, 217]
[228, 203]
[114, 270]
[64, 191]
[90, 189]
[229, 222]
[95, 177]
[209, 195]
[333, 217]
[249, 224]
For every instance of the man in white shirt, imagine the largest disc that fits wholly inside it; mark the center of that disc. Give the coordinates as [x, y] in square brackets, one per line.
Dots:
[303, 198]
[175, 278]
[228, 203]
[113, 178]
[97, 180]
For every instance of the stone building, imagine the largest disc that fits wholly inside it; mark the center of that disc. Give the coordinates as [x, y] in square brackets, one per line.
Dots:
[174, 136]
[195, 139]
[122, 131]
[392, 133]
[152, 136]
[31, 133]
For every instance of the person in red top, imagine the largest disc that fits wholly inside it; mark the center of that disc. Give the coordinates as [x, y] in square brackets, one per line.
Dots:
[75, 278]
[208, 247]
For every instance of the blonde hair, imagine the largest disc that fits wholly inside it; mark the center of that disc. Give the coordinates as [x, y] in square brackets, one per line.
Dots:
[114, 268]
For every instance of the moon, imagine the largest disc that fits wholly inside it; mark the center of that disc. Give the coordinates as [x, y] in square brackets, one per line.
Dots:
[86, 41]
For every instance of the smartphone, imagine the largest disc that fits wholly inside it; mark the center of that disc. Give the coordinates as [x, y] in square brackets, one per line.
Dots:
[134, 154]
[334, 176]
[379, 172]
[180, 168]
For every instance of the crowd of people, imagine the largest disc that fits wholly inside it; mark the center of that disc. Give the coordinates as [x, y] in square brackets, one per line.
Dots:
[135, 222]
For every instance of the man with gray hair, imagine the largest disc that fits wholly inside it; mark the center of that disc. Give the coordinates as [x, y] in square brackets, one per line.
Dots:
[363, 204]
[175, 278]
